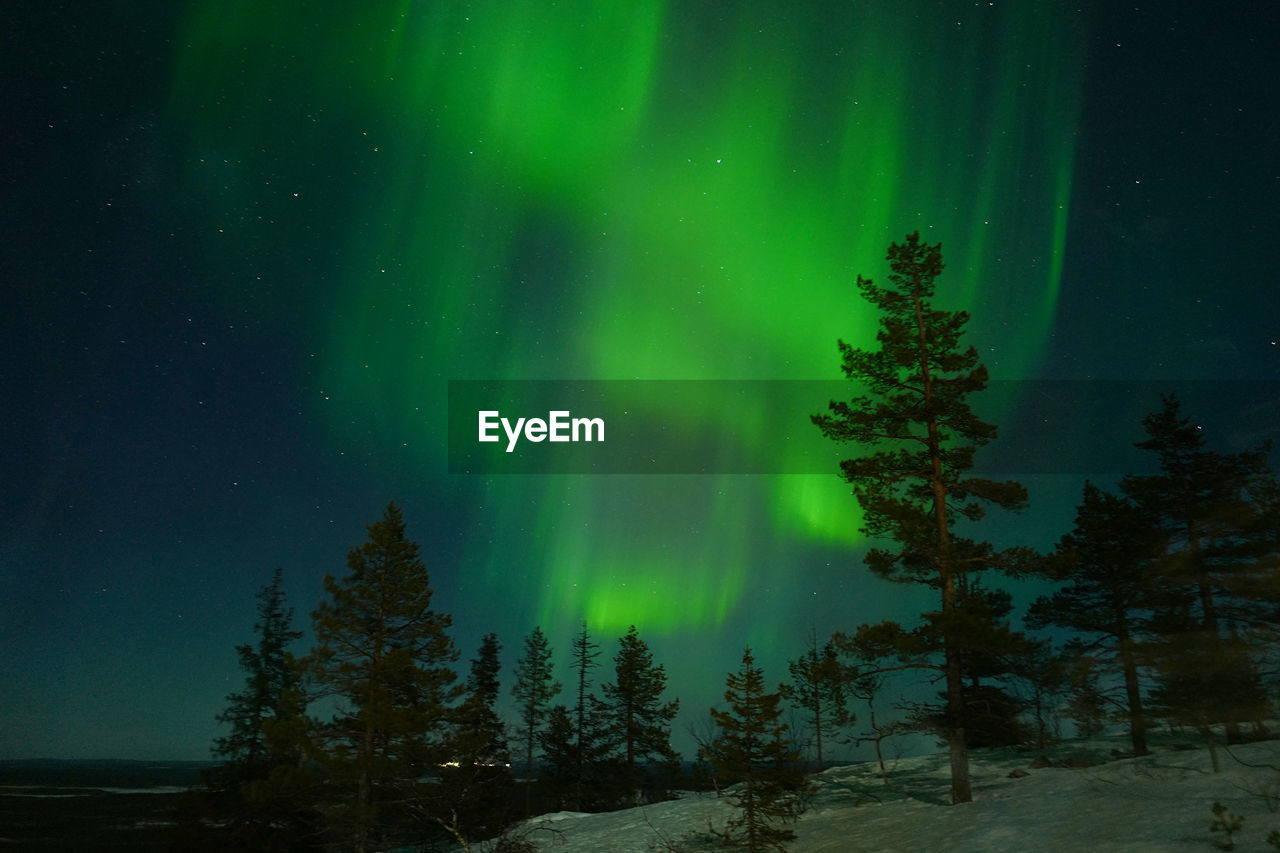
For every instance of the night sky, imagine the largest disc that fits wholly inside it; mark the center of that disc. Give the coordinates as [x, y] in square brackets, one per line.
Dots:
[247, 245]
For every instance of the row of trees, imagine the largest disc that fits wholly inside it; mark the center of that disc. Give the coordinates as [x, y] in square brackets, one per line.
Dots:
[611, 750]
[1169, 596]
[370, 741]
[1165, 608]
[1170, 589]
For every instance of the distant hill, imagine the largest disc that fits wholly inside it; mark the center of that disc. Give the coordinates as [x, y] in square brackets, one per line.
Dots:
[101, 773]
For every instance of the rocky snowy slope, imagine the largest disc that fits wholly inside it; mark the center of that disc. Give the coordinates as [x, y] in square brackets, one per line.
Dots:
[1086, 800]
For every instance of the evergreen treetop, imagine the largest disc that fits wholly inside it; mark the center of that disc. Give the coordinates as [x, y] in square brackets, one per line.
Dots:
[1217, 510]
[271, 685]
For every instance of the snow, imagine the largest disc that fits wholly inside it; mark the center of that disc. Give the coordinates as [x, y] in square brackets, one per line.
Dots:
[1159, 802]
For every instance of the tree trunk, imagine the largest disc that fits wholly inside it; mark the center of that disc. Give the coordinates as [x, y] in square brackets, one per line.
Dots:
[1210, 612]
[879, 738]
[1133, 692]
[1209, 739]
[363, 796]
[631, 757]
[817, 726]
[961, 791]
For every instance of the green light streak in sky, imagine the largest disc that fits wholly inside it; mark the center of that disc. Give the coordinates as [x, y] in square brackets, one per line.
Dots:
[651, 190]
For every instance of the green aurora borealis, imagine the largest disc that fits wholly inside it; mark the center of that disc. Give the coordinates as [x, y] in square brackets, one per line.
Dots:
[648, 190]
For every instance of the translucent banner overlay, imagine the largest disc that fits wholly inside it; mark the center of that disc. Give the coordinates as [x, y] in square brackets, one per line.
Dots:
[763, 427]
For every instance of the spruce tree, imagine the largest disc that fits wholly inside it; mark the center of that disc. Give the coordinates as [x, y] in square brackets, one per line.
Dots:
[384, 654]
[485, 737]
[534, 688]
[639, 721]
[753, 753]
[263, 754]
[1107, 566]
[912, 489]
[270, 691]
[471, 802]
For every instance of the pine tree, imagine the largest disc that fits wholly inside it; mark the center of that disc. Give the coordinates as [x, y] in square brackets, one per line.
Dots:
[640, 722]
[534, 689]
[575, 743]
[992, 658]
[585, 653]
[385, 655]
[753, 752]
[270, 690]
[471, 801]
[1212, 508]
[818, 689]
[1106, 563]
[485, 735]
[262, 756]
[912, 489]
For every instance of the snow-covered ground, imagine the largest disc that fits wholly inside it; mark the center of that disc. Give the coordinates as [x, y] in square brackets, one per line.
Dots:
[1161, 802]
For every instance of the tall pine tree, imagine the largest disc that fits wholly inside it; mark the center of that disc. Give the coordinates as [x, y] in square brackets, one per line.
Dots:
[585, 653]
[270, 692]
[384, 654]
[912, 489]
[576, 743]
[752, 751]
[639, 720]
[534, 688]
[263, 753]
